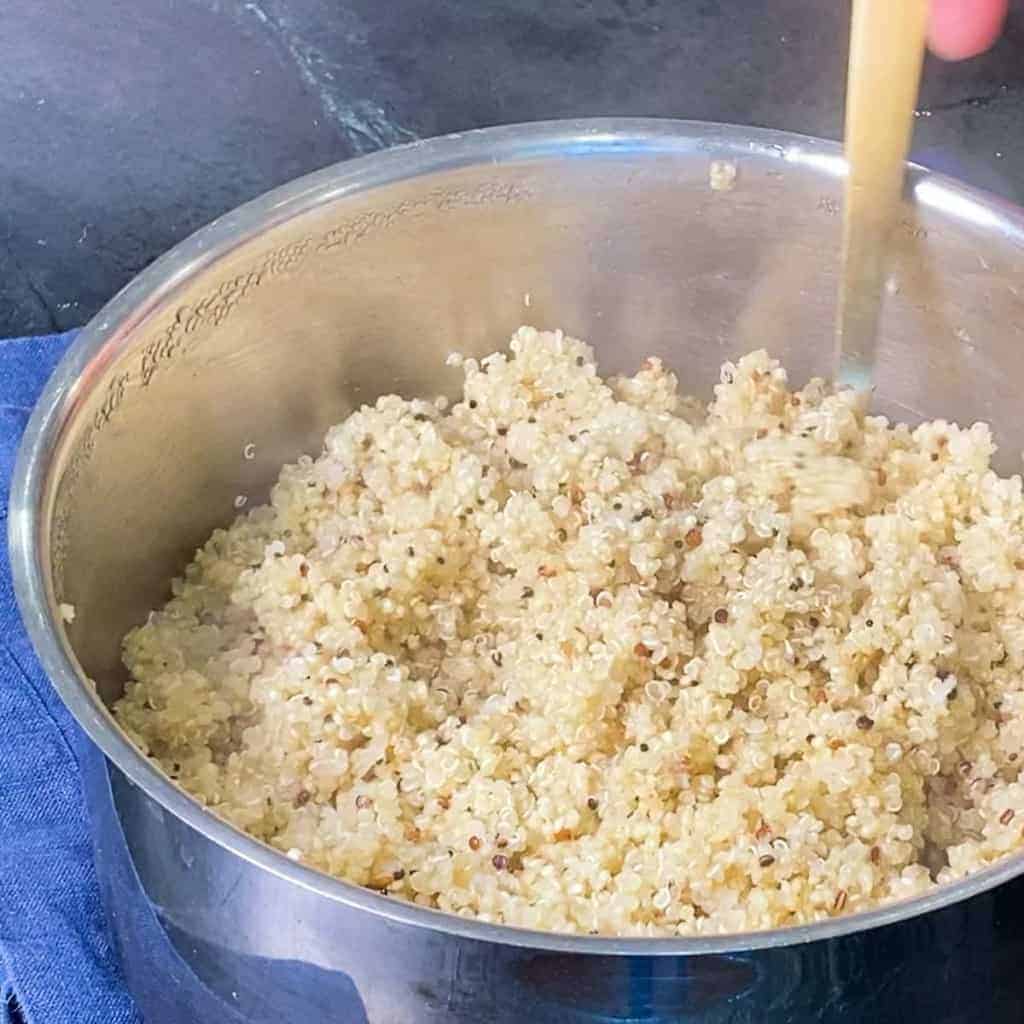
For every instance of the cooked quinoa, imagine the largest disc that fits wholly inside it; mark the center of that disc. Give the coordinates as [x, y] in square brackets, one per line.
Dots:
[584, 655]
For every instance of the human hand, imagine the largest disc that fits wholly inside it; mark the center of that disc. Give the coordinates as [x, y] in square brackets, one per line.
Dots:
[964, 28]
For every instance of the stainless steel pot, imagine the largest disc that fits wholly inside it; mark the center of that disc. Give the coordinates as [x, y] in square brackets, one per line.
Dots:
[273, 323]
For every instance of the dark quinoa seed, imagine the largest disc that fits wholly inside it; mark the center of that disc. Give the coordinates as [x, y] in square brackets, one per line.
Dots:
[527, 593]
[502, 431]
[721, 616]
[540, 636]
[500, 861]
[864, 723]
[592, 803]
[398, 874]
[472, 403]
[644, 748]
[766, 861]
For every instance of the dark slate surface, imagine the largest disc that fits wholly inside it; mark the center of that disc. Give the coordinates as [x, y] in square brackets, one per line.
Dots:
[125, 124]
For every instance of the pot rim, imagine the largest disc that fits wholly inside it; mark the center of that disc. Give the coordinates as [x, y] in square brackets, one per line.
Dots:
[108, 333]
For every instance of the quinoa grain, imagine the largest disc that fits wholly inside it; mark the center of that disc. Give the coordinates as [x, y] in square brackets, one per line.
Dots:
[599, 600]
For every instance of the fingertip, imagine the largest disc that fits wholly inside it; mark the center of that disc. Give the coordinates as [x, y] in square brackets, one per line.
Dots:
[959, 29]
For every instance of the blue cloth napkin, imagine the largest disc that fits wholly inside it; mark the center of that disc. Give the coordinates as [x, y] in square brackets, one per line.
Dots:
[57, 965]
